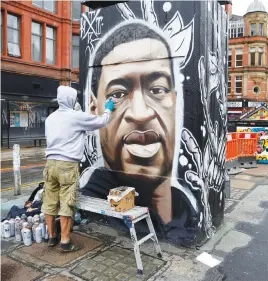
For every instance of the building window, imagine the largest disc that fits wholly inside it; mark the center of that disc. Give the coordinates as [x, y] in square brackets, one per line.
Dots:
[13, 35]
[256, 90]
[229, 85]
[240, 31]
[236, 29]
[49, 5]
[76, 10]
[238, 84]
[36, 41]
[50, 45]
[253, 30]
[230, 58]
[252, 56]
[75, 51]
[260, 51]
[239, 57]
[261, 30]
[2, 35]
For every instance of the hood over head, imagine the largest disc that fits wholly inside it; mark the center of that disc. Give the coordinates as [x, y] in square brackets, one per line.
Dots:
[66, 97]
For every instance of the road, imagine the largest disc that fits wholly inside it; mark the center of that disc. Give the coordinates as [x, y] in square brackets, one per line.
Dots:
[31, 172]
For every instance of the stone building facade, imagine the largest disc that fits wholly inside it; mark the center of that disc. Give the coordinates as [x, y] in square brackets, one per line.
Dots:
[247, 60]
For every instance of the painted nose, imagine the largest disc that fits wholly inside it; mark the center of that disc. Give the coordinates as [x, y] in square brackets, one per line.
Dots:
[139, 112]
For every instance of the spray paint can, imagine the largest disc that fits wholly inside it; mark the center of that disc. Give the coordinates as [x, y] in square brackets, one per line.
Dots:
[2, 230]
[36, 218]
[38, 234]
[18, 237]
[26, 234]
[30, 221]
[46, 234]
[7, 229]
[43, 227]
[12, 227]
[42, 217]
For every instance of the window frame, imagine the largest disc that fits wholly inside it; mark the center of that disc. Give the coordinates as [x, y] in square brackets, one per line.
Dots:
[75, 47]
[238, 60]
[19, 35]
[76, 19]
[2, 32]
[54, 44]
[251, 24]
[260, 56]
[261, 30]
[252, 53]
[236, 87]
[42, 6]
[41, 41]
[229, 92]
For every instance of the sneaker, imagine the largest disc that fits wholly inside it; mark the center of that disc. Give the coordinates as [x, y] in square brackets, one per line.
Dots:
[53, 241]
[69, 247]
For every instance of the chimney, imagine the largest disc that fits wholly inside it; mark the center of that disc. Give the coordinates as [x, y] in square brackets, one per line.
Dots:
[228, 9]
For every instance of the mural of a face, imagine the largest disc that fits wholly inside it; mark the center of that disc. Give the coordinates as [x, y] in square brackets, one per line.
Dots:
[167, 135]
[139, 139]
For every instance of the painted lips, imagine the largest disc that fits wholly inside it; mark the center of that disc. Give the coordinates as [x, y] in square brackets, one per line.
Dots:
[142, 144]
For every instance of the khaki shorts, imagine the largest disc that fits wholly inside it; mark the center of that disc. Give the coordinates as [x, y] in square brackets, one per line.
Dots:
[61, 187]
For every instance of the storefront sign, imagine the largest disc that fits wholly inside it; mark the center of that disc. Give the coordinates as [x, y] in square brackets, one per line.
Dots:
[234, 104]
[254, 104]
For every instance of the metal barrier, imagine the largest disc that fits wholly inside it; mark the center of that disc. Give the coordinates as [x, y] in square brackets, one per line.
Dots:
[232, 163]
[247, 147]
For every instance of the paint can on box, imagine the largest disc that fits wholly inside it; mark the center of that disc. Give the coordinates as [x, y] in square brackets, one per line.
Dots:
[7, 229]
[12, 227]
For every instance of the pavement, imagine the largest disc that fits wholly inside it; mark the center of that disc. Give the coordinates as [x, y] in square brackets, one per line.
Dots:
[240, 246]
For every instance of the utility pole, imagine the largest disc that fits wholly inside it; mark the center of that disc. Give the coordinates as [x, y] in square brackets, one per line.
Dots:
[16, 169]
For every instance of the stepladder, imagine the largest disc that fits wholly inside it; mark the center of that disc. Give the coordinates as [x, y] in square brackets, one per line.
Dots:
[130, 218]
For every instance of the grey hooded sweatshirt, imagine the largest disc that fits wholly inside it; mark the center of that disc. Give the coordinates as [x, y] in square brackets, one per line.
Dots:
[65, 128]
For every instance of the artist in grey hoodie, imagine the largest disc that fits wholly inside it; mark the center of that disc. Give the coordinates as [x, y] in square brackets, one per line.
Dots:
[65, 133]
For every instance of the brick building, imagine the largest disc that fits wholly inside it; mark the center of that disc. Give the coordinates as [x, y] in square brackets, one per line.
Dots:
[247, 60]
[39, 52]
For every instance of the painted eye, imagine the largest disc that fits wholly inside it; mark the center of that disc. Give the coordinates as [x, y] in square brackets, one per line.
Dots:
[117, 95]
[159, 90]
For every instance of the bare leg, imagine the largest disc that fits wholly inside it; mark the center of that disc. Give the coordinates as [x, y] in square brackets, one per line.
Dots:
[65, 224]
[50, 220]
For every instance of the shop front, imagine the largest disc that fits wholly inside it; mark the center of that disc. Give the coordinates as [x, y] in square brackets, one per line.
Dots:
[26, 101]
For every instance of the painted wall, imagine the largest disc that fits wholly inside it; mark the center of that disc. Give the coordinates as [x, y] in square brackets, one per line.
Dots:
[165, 62]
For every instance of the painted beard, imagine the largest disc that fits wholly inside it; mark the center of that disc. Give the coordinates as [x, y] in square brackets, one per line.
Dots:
[143, 149]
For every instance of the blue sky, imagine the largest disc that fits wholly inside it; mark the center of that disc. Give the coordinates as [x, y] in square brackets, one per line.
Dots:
[240, 6]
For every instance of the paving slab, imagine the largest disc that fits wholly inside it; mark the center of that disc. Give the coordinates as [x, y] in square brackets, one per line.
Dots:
[243, 177]
[241, 184]
[53, 255]
[118, 264]
[261, 171]
[14, 271]
[237, 193]
[58, 278]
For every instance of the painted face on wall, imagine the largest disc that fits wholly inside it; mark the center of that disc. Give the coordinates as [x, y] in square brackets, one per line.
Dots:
[140, 137]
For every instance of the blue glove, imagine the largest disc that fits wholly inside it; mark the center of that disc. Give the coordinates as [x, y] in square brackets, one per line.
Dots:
[109, 105]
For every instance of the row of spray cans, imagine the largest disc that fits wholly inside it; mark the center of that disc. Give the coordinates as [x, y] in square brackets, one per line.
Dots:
[26, 229]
